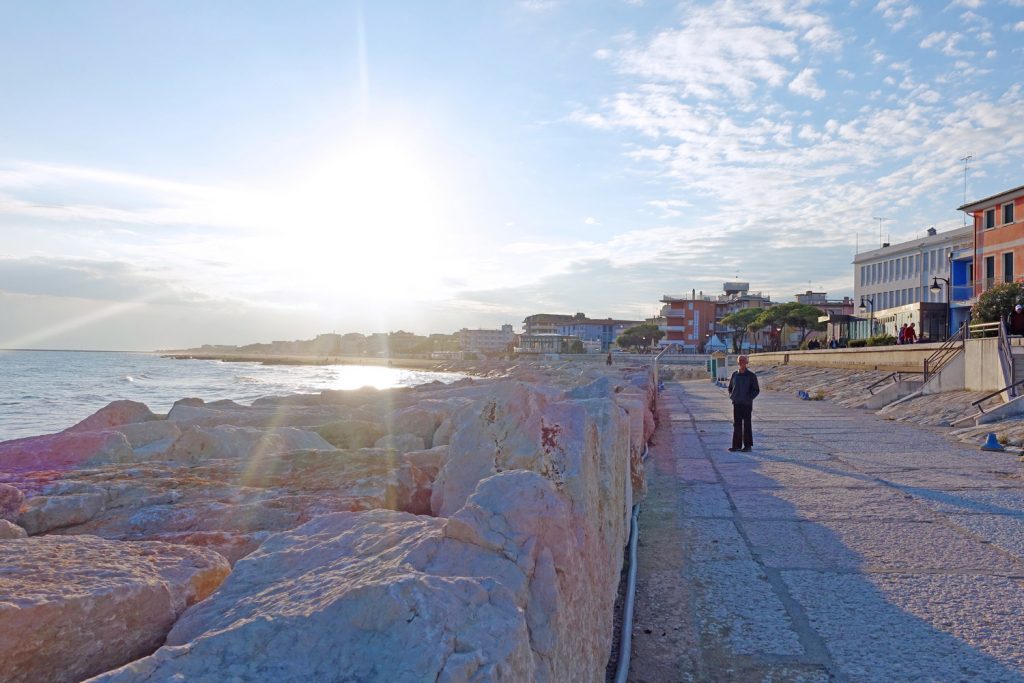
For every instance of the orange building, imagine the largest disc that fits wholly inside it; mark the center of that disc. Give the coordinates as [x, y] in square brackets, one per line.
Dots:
[998, 238]
[691, 321]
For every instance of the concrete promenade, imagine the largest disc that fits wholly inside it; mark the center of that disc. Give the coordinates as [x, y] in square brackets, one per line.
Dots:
[843, 548]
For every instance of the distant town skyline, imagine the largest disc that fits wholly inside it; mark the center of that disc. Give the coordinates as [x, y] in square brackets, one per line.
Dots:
[187, 173]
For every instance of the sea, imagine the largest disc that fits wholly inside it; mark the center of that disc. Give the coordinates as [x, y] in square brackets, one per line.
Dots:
[46, 391]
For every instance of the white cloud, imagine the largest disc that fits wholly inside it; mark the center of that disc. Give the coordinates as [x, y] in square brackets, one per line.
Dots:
[804, 84]
[590, 220]
[539, 5]
[972, 4]
[898, 13]
[670, 208]
[1019, 26]
[738, 47]
[933, 39]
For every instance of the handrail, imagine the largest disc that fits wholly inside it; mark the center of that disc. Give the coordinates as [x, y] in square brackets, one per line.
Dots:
[896, 377]
[1006, 359]
[658, 357]
[995, 393]
[945, 353]
[983, 328]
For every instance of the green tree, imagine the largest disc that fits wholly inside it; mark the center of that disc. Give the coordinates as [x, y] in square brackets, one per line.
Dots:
[997, 301]
[576, 346]
[740, 321]
[794, 315]
[639, 336]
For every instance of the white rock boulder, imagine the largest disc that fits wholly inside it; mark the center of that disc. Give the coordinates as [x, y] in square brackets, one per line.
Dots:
[74, 607]
[491, 594]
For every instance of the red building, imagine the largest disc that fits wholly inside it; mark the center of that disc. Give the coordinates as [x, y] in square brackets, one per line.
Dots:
[998, 238]
[691, 321]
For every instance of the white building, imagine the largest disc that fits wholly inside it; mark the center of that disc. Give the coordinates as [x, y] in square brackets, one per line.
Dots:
[900, 274]
[486, 341]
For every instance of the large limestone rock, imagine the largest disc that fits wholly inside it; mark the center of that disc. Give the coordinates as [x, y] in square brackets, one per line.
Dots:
[351, 433]
[492, 594]
[63, 451]
[11, 499]
[114, 415]
[226, 441]
[9, 530]
[73, 607]
[402, 443]
[46, 513]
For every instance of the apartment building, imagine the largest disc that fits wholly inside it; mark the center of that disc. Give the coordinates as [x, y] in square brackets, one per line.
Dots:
[909, 282]
[900, 274]
[998, 232]
[589, 330]
[691, 321]
[486, 341]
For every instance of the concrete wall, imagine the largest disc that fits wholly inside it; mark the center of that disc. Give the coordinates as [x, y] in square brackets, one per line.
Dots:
[891, 358]
[977, 369]
[982, 371]
[949, 378]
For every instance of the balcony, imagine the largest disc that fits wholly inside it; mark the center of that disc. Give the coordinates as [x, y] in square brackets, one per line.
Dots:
[961, 293]
[673, 328]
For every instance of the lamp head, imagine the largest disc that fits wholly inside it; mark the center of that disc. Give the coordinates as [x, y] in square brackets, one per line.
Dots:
[935, 285]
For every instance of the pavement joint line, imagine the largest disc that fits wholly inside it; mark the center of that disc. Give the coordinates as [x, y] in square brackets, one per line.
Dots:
[812, 642]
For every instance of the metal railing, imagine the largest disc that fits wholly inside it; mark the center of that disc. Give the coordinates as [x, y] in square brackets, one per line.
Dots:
[949, 350]
[981, 330]
[1009, 387]
[1006, 360]
[896, 378]
[657, 358]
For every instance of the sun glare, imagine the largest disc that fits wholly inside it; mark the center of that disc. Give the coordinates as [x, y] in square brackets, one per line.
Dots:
[374, 212]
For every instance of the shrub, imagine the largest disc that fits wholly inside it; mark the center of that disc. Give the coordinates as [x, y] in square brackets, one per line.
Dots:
[997, 301]
[881, 340]
[857, 343]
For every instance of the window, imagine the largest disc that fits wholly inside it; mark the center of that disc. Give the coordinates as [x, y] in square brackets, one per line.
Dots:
[1008, 267]
[1008, 213]
[990, 218]
[990, 271]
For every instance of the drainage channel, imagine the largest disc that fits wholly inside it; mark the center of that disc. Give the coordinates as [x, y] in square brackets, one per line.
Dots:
[626, 632]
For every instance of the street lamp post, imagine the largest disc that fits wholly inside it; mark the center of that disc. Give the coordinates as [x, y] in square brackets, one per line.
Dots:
[935, 288]
[871, 320]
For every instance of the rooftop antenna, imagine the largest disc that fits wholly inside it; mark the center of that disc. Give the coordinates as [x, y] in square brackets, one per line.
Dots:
[966, 160]
[880, 219]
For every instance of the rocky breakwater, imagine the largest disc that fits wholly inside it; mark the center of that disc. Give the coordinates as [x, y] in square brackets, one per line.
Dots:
[461, 532]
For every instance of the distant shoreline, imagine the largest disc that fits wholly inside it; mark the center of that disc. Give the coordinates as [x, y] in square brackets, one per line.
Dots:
[273, 359]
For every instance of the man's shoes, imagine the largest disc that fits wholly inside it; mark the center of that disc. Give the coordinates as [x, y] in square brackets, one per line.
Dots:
[733, 450]
[744, 450]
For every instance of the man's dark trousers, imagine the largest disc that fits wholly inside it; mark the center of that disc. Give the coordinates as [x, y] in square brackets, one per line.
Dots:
[742, 432]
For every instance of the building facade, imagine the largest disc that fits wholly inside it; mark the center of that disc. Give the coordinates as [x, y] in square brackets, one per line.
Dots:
[589, 330]
[691, 321]
[486, 341]
[998, 231]
[896, 275]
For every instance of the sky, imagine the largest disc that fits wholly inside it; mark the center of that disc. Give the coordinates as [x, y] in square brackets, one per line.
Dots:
[177, 173]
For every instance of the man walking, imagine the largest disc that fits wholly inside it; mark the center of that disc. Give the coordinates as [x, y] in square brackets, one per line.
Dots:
[743, 389]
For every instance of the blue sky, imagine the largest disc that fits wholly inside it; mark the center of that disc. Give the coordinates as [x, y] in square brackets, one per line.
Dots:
[178, 173]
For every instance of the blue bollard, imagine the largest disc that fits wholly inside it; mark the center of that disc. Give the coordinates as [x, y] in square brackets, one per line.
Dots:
[992, 443]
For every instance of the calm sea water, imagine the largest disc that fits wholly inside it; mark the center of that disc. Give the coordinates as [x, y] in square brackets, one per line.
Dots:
[47, 391]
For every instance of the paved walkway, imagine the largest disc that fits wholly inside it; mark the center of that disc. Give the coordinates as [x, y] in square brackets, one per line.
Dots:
[843, 548]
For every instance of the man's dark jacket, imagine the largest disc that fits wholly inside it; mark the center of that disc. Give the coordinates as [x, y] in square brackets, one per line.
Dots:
[743, 388]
